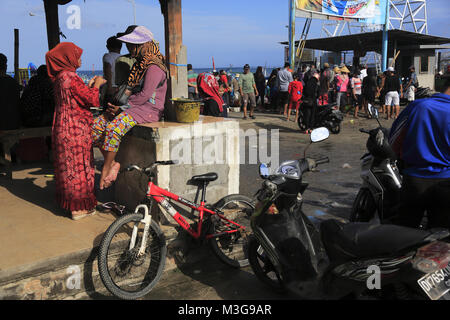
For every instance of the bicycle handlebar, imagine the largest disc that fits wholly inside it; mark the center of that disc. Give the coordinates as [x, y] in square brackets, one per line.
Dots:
[146, 170]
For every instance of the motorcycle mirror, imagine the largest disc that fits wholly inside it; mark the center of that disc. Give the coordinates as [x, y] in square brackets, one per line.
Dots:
[263, 171]
[319, 134]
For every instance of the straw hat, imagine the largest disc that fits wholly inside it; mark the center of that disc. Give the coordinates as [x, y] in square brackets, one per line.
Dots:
[345, 70]
[336, 69]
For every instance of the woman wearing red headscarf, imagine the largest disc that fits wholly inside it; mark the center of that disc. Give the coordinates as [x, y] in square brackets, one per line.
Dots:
[209, 91]
[71, 134]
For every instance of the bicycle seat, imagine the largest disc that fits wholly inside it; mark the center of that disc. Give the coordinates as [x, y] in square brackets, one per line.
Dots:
[208, 177]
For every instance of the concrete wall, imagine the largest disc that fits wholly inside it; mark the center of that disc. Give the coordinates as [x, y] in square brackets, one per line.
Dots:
[426, 79]
[410, 57]
[210, 145]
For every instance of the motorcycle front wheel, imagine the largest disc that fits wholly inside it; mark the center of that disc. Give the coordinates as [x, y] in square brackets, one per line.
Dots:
[335, 127]
[263, 268]
[364, 207]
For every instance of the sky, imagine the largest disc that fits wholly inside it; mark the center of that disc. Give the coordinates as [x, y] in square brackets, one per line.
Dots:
[234, 32]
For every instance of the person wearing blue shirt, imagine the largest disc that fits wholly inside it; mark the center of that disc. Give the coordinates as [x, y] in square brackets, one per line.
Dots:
[420, 137]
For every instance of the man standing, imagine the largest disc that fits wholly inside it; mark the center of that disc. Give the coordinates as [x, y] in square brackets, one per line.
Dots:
[326, 80]
[412, 84]
[247, 88]
[310, 96]
[284, 78]
[9, 98]
[192, 83]
[392, 86]
[421, 138]
[109, 62]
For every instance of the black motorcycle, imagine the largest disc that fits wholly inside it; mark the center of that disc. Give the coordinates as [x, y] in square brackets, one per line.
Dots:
[379, 196]
[332, 259]
[327, 116]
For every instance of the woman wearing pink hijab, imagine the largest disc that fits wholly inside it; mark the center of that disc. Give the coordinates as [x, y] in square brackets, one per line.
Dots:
[71, 133]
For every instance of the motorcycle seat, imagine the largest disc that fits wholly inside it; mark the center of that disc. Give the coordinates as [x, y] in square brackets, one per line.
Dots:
[347, 241]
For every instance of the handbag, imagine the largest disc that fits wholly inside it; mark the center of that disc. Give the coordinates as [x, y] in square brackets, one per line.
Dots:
[120, 98]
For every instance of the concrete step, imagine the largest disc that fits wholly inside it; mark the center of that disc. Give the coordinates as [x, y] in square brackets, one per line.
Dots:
[56, 279]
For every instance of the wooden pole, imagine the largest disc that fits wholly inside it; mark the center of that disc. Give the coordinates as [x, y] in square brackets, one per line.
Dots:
[52, 20]
[16, 55]
[175, 54]
[173, 33]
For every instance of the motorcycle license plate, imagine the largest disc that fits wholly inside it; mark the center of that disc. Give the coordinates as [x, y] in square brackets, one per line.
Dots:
[436, 284]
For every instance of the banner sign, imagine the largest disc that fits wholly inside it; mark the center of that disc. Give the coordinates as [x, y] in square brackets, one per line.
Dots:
[365, 11]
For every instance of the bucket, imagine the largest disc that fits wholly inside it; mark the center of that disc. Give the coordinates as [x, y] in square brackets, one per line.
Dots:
[187, 110]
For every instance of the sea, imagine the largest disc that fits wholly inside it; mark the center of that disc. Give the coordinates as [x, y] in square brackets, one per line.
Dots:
[87, 75]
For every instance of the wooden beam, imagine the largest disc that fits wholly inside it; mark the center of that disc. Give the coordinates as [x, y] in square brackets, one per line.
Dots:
[173, 33]
[52, 20]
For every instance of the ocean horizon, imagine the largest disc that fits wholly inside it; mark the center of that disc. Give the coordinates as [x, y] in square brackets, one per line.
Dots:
[86, 75]
[90, 73]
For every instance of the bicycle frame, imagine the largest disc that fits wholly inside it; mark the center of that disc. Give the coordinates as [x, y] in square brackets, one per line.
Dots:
[160, 195]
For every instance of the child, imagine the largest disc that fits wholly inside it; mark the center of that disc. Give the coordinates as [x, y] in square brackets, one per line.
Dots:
[295, 90]
[356, 84]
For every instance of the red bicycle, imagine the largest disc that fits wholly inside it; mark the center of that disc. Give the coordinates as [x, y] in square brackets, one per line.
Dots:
[133, 250]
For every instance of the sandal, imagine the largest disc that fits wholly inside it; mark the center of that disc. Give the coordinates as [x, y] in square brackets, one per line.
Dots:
[111, 207]
[84, 215]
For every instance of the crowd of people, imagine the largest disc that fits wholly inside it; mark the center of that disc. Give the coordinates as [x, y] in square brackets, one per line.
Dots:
[307, 88]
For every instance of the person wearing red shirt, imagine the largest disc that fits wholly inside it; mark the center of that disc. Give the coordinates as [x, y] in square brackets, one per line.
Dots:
[295, 91]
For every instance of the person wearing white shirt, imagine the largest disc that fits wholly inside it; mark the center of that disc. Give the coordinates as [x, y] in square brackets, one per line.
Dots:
[363, 73]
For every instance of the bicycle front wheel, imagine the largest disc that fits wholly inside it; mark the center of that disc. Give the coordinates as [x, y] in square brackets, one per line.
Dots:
[124, 272]
[230, 246]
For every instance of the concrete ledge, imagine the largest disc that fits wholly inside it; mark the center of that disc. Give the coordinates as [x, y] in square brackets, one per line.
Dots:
[47, 280]
[209, 145]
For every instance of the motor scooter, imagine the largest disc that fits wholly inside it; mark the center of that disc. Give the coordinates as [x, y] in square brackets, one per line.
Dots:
[378, 199]
[329, 259]
[327, 116]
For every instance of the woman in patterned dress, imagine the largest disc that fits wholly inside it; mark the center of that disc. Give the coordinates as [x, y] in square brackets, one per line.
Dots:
[71, 134]
[146, 91]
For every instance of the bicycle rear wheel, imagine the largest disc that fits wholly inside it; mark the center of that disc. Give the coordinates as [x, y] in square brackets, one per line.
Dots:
[231, 248]
[125, 274]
